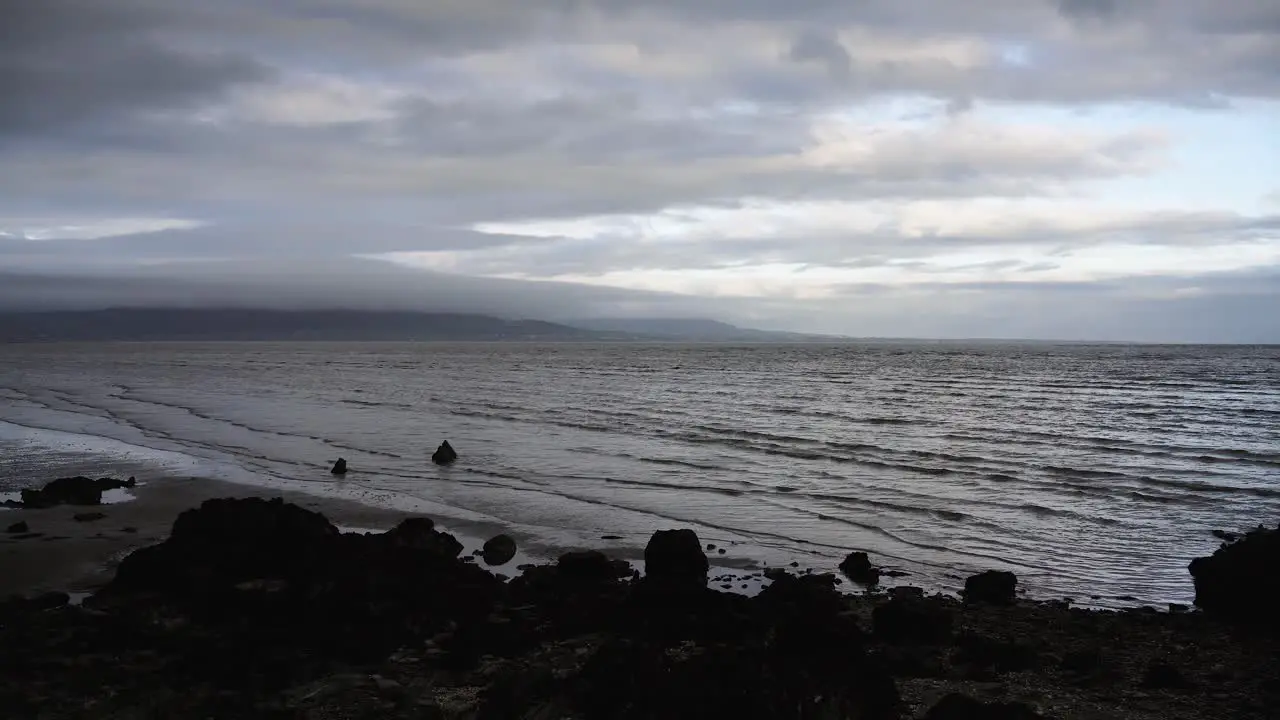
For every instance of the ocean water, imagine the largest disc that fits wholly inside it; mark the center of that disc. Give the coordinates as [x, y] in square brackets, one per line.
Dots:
[1092, 471]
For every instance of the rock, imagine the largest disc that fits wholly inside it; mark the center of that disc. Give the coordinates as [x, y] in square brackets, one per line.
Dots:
[711, 546]
[1240, 582]
[857, 567]
[907, 592]
[88, 516]
[444, 454]
[675, 558]
[908, 620]
[131, 530]
[721, 551]
[956, 706]
[420, 534]
[994, 587]
[77, 490]
[499, 550]
[1226, 536]
[591, 566]
[1160, 675]
[610, 537]
[339, 467]
[18, 527]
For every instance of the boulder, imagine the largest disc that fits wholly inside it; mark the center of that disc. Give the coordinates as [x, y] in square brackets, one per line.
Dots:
[857, 567]
[444, 455]
[88, 516]
[1241, 580]
[77, 490]
[675, 558]
[591, 566]
[956, 706]
[339, 467]
[18, 527]
[1161, 675]
[420, 534]
[499, 550]
[993, 587]
[910, 620]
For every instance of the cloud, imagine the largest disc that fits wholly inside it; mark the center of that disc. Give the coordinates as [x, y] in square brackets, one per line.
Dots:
[726, 156]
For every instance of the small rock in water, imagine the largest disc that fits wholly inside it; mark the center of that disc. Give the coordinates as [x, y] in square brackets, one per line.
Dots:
[995, 587]
[18, 527]
[711, 546]
[444, 454]
[1225, 536]
[857, 567]
[88, 517]
[340, 467]
[499, 550]
[610, 537]
[721, 551]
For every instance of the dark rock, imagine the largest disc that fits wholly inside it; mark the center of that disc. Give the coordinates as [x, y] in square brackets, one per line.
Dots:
[88, 516]
[1084, 661]
[591, 566]
[857, 567]
[131, 530]
[420, 534]
[994, 587]
[444, 454]
[1160, 675]
[77, 490]
[675, 558]
[18, 527]
[37, 603]
[956, 706]
[1226, 536]
[339, 467]
[1240, 582]
[711, 546]
[721, 551]
[499, 550]
[909, 620]
[907, 592]
[610, 537]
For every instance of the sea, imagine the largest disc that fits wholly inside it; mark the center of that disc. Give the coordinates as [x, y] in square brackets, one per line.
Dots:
[1094, 472]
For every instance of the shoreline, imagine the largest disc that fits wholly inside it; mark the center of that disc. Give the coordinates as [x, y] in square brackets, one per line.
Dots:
[352, 504]
[60, 554]
[265, 612]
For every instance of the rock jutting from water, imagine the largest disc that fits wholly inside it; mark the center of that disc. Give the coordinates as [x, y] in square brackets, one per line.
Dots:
[857, 567]
[444, 455]
[994, 587]
[1240, 581]
[499, 550]
[339, 467]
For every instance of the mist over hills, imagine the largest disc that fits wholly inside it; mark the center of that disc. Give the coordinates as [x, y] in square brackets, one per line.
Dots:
[248, 324]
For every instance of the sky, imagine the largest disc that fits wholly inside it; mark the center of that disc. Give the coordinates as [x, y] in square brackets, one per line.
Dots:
[1054, 169]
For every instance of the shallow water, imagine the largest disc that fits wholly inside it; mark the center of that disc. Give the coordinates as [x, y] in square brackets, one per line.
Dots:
[1088, 470]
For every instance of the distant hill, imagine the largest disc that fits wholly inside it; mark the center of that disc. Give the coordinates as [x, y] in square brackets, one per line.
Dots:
[694, 330]
[138, 324]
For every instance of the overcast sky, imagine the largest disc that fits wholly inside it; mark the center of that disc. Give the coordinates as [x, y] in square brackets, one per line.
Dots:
[1077, 169]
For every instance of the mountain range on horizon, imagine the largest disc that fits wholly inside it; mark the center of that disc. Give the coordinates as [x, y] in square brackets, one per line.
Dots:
[241, 324]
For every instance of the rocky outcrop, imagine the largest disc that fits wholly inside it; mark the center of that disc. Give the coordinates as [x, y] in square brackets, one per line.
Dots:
[499, 550]
[857, 567]
[18, 528]
[674, 558]
[77, 490]
[444, 455]
[1240, 582]
[339, 467]
[993, 587]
